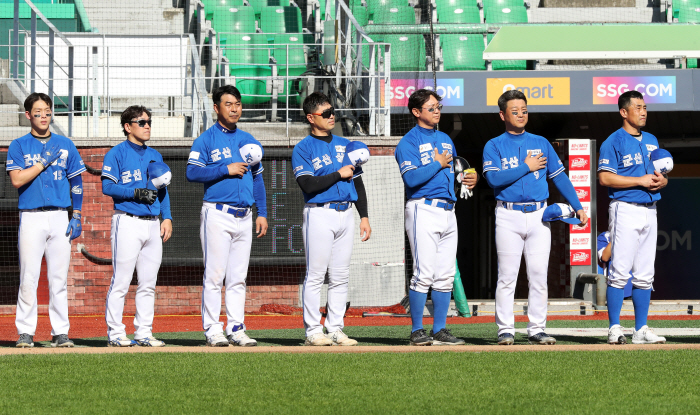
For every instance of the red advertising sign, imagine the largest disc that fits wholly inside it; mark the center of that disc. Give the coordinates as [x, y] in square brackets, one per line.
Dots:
[579, 229]
[583, 193]
[580, 162]
[580, 257]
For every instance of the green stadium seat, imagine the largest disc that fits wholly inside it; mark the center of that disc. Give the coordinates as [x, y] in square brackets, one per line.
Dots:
[394, 15]
[210, 4]
[280, 20]
[507, 65]
[249, 56]
[505, 11]
[293, 64]
[457, 11]
[463, 52]
[381, 6]
[407, 52]
[692, 63]
[258, 5]
[239, 19]
[688, 10]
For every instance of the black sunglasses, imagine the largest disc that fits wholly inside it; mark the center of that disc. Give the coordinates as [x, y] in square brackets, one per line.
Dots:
[327, 113]
[142, 123]
[432, 109]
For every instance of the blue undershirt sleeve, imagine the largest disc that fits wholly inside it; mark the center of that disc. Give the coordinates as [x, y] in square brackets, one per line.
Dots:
[76, 190]
[418, 177]
[259, 195]
[114, 190]
[205, 174]
[504, 178]
[164, 199]
[563, 184]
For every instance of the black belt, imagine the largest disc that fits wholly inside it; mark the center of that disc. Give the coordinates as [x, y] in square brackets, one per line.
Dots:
[140, 217]
[49, 209]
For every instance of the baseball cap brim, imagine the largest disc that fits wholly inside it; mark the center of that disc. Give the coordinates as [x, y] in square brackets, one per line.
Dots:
[572, 221]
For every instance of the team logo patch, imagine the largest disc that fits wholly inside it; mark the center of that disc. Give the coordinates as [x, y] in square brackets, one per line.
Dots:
[534, 152]
[447, 146]
[194, 154]
[340, 149]
[651, 147]
[425, 147]
[10, 162]
[107, 168]
[298, 168]
[604, 161]
[405, 163]
[76, 190]
[560, 163]
[81, 163]
[487, 163]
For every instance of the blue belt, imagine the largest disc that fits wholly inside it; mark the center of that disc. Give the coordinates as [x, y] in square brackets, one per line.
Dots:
[442, 204]
[236, 212]
[523, 207]
[339, 206]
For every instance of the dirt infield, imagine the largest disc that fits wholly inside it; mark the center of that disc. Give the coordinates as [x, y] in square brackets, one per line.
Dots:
[94, 326]
[354, 349]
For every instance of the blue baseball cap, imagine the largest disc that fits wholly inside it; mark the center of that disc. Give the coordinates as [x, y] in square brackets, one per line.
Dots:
[562, 212]
[356, 154]
[662, 160]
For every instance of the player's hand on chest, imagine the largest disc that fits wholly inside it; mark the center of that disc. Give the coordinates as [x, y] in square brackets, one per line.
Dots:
[55, 171]
[530, 154]
[427, 151]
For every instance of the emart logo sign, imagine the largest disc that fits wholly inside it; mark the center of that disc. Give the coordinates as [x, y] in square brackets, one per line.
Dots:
[539, 91]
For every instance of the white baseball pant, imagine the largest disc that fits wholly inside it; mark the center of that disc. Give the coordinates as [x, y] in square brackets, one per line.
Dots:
[43, 234]
[432, 234]
[517, 233]
[136, 244]
[328, 237]
[633, 232]
[226, 243]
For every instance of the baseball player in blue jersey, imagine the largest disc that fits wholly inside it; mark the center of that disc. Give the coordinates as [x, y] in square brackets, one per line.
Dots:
[45, 168]
[137, 234]
[330, 190]
[517, 165]
[625, 168]
[604, 248]
[425, 156]
[222, 159]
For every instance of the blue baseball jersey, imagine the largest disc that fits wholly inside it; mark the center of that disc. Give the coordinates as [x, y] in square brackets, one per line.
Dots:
[218, 147]
[51, 187]
[314, 157]
[601, 243]
[508, 151]
[415, 150]
[127, 168]
[629, 156]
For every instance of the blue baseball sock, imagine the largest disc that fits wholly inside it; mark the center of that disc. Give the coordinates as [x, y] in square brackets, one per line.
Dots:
[615, 298]
[417, 302]
[441, 304]
[640, 299]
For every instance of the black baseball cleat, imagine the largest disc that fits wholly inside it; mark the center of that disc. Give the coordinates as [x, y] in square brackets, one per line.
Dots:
[506, 339]
[421, 338]
[542, 338]
[445, 338]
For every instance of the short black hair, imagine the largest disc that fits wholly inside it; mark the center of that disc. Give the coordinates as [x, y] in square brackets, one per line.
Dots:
[510, 96]
[34, 97]
[625, 99]
[420, 97]
[313, 101]
[131, 113]
[223, 90]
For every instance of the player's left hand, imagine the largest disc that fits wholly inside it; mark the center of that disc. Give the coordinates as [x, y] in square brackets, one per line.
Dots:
[365, 230]
[470, 180]
[75, 227]
[658, 182]
[261, 226]
[166, 229]
[581, 215]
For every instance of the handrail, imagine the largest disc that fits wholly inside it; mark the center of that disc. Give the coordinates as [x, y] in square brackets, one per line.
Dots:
[82, 14]
[47, 22]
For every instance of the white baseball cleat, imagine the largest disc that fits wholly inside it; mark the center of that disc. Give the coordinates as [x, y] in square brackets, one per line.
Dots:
[615, 335]
[645, 335]
[121, 342]
[318, 339]
[341, 339]
[217, 340]
[150, 341]
[239, 338]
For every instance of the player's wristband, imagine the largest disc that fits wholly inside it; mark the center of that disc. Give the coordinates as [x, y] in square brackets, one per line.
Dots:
[77, 216]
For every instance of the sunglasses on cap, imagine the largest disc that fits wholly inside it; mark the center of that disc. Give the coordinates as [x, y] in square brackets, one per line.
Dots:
[327, 113]
[142, 123]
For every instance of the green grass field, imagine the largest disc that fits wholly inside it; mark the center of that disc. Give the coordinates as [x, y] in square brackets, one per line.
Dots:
[543, 382]
[379, 383]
